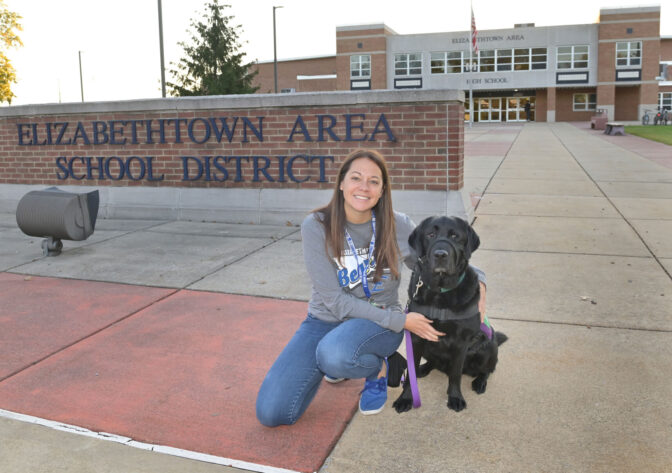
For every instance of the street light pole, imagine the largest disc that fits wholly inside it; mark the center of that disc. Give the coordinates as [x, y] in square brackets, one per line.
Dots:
[275, 54]
[81, 82]
[163, 70]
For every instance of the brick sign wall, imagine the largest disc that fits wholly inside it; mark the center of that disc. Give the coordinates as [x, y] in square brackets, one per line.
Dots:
[292, 141]
[260, 147]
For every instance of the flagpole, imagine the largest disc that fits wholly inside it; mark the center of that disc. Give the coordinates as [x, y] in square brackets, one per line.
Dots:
[471, 92]
[472, 43]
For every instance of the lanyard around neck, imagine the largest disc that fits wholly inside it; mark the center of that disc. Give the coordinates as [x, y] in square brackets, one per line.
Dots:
[361, 270]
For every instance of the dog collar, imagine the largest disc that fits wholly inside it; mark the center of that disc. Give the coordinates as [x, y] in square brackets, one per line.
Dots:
[459, 281]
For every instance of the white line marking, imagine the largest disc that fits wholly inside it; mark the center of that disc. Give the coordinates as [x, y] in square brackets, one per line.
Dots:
[129, 442]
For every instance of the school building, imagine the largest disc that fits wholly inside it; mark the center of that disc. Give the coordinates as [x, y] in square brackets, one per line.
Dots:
[620, 65]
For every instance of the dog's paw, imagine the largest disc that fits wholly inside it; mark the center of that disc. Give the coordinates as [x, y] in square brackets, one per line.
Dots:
[425, 369]
[479, 384]
[456, 403]
[402, 404]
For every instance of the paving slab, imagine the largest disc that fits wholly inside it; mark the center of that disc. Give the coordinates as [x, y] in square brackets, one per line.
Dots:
[564, 235]
[33, 448]
[533, 172]
[41, 316]
[593, 290]
[226, 229]
[642, 209]
[546, 206]
[7, 220]
[156, 259]
[481, 166]
[501, 185]
[563, 398]
[275, 271]
[657, 235]
[667, 264]
[476, 185]
[176, 374]
[646, 190]
[17, 249]
[631, 175]
[128, 225]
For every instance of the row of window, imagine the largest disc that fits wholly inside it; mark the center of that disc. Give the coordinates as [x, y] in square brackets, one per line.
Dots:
[587, 102]
[518, 59]
[628, 54]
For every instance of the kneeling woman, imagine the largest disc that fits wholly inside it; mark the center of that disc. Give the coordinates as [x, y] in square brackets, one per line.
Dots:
[353, 249]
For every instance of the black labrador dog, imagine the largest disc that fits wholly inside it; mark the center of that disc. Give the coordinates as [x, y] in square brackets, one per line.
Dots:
[445, 289]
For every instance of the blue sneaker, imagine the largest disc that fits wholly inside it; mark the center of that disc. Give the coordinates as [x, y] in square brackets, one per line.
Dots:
[374, 395]
[332, 380]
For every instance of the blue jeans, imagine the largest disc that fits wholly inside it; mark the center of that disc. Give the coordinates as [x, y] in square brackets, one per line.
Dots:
[351, 349]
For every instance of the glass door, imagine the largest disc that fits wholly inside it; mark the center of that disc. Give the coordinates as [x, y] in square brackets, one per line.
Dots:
[515, 108]
[489, 110]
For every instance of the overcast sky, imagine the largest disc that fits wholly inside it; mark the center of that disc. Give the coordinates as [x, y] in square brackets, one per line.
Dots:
[119, 40]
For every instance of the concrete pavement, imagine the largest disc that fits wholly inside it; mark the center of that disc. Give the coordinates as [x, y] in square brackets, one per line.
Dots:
[574, 231]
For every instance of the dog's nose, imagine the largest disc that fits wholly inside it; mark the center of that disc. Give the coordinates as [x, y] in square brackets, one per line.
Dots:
[440, 254]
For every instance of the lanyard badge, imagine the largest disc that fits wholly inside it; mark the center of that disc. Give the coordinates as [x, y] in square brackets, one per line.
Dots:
[361, 270]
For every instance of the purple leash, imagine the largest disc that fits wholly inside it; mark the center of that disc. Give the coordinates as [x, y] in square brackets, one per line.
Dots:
[411, 370]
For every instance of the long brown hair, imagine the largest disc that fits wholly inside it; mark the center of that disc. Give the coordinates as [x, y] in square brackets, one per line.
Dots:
[386, 252]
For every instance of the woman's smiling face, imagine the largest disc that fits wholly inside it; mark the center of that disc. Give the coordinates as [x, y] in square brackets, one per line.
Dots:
[362, 186]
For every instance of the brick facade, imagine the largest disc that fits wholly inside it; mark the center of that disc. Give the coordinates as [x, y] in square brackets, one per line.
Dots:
[551, 84]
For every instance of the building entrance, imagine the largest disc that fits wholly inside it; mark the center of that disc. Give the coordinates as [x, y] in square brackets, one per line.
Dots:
[500, 109]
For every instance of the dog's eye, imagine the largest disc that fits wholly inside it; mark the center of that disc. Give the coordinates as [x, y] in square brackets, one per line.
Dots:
[454, 236]
[431, 235]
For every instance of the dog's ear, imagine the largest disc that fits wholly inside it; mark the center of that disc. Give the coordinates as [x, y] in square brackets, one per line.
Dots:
[473, 241]
[415, 239]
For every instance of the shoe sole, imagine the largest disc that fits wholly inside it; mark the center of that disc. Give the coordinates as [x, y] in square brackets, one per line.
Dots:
[333, 380]
[372, 412]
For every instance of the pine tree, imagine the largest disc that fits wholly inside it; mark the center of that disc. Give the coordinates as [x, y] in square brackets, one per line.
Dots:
[212, 63]
[9, 24]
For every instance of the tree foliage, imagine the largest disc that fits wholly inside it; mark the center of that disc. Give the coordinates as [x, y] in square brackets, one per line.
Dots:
[9, 26]
[212, 62]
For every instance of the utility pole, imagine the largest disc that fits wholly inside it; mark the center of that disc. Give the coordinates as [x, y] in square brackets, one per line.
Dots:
[275, 54]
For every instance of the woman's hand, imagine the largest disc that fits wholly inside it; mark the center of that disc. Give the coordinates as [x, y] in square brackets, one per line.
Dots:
[481, 302]
[422, 327]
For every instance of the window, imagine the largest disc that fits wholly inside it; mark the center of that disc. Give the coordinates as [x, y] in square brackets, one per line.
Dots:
[521, 59]
[629, 54]
[572, 57]
[504, 59]
[360, 65]
[539, 58]
[584, 102]
[448, 62]
[665, 100]
[408, 64]
[486, 60]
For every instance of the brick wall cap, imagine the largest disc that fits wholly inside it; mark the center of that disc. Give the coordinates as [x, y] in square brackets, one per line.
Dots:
[623, 11]
[232, 102]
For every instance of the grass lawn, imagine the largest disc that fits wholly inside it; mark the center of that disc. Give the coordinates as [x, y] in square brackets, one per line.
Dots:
[660, 133]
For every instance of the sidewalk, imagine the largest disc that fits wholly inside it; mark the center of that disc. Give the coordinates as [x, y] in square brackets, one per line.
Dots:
[575, 240]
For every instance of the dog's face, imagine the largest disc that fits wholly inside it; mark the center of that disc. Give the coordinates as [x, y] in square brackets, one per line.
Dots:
[444, 246]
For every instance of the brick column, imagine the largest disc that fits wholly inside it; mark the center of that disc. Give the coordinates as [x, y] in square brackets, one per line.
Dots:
[550, 104]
